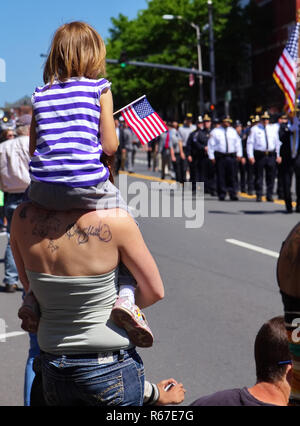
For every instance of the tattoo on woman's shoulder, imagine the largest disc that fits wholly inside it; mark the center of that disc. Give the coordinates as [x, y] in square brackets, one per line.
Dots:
[82, 235]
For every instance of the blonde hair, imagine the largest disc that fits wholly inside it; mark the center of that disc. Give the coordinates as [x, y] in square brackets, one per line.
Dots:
[77, 50]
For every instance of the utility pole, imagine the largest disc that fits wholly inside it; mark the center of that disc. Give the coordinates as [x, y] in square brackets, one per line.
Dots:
[201, 94]
[213, 91]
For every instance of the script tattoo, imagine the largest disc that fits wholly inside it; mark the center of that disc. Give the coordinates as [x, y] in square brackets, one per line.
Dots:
[82, 235]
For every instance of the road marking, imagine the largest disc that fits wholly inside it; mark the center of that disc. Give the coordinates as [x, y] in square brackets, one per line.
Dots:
[4, 336]
[253, 247]
[146, 177]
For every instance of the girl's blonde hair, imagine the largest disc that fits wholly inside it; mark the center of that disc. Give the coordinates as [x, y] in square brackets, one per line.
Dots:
[77, 50]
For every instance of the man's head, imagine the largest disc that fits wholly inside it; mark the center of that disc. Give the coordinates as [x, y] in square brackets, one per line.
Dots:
[226, 121]
[200, 122]
[188, 119]
[265, 118]
[23, 125]
[271, 351]
[207, 121]
[238, 126]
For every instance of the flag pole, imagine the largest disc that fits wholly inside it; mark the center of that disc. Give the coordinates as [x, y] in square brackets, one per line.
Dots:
[131, 103]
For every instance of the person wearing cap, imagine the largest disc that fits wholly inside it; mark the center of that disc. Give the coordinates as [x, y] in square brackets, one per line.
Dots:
[289, 135]
[196, 148]
[263, 150]
[281, 121]
[242, 167]
[184, 131]
[224, 149]
[210, 170]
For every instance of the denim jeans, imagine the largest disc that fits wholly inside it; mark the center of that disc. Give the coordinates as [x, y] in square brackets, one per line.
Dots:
[34, 351]
[85, 380]
[10, 271]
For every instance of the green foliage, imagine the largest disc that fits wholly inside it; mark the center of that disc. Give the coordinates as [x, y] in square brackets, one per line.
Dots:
[149, 38]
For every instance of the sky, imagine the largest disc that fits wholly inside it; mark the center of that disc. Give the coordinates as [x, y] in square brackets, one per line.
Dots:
[27, 28]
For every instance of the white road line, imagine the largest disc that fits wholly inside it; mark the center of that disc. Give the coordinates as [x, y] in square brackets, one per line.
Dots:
[252, 247]
[4, 336]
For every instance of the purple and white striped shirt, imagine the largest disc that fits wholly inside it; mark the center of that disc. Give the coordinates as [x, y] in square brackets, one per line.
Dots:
[68, 146]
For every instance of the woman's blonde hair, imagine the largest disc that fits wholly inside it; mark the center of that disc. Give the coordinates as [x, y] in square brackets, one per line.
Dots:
[77, 50]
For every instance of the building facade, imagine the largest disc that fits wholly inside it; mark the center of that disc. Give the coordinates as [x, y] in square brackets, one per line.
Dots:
[275, 20]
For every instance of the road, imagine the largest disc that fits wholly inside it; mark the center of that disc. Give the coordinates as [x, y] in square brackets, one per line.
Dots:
[218, 294]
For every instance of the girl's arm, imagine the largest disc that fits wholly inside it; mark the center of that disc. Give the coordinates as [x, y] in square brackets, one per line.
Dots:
[137, 258]
[108, 135]
[32, 140]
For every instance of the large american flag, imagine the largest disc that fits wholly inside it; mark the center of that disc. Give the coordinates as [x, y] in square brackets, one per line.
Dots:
[144, 121]
[285, 73]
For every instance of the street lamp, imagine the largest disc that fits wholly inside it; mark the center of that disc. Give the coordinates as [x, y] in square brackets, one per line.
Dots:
[213, 91]
[199, 54]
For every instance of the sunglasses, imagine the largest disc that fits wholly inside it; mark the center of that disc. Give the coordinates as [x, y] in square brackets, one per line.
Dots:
[284, 362]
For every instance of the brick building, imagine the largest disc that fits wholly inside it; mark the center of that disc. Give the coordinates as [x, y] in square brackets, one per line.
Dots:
[275, 20]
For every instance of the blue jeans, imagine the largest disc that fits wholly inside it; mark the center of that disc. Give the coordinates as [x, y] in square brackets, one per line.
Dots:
[34, 351]
[83, 380]
[10, 271]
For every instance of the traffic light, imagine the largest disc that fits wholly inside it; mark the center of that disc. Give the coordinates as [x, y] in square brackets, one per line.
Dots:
[211, 107]
[123, 59]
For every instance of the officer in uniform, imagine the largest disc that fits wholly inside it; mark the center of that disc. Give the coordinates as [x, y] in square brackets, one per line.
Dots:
[263, 147]
[224, 150]
[290, 153]
[184, 132]
[195, 151]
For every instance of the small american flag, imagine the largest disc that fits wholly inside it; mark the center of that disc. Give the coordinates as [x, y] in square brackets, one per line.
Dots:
[143, 120]
[285, 73]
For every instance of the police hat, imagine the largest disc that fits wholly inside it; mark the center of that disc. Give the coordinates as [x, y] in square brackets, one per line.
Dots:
[206, 118]
[265, 116]
[200, 119]
[237, 123]
[226, 118]
[189, 116]
[255, 119]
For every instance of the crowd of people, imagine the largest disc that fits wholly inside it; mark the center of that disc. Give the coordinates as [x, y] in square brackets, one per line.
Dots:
[226, 155]
[84, 266]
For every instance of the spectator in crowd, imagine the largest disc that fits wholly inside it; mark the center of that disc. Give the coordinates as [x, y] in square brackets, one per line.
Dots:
[273, 372]
[7, 134]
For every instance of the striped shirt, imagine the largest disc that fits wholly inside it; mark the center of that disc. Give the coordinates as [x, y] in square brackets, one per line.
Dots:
[68, 146]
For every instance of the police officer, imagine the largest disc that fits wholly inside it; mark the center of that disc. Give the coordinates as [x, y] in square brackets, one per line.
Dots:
[263, 147]
[196, 148]
[224, 150]
[184, 132]
[290, 153]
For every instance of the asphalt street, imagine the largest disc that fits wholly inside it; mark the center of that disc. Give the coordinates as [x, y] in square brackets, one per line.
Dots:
[218, 294]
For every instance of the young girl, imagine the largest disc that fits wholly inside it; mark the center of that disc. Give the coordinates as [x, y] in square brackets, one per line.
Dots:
[72, 126]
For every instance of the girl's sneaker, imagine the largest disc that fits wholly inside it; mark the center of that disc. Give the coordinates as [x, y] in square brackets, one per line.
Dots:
[129, 316]
[29, 313]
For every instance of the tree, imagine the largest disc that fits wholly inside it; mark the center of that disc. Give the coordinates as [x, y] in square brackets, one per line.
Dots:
[151, 39]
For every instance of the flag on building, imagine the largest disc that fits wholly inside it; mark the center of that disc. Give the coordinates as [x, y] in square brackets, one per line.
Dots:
[285, 73]
[143, 120]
